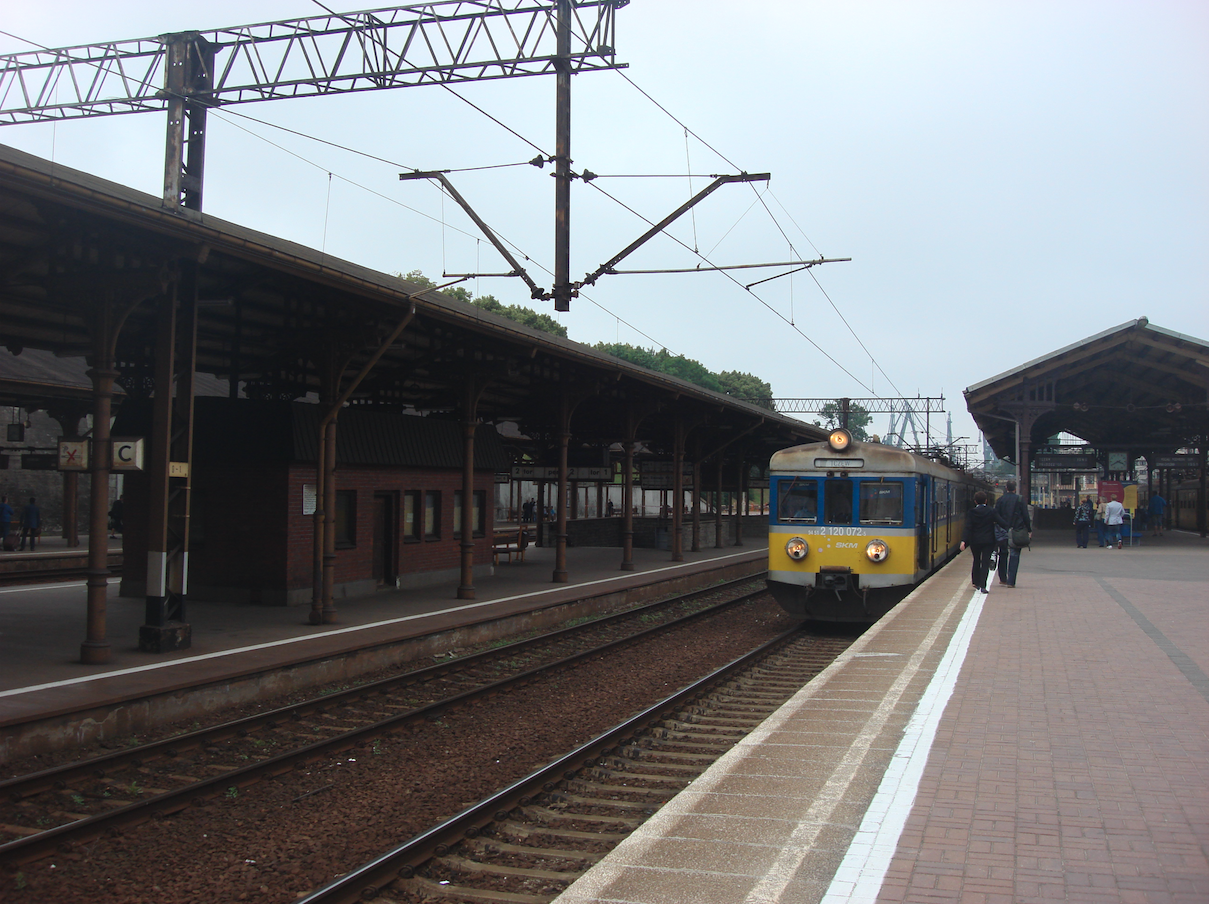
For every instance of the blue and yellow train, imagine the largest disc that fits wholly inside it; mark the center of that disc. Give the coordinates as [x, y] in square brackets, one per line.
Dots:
[852, 521]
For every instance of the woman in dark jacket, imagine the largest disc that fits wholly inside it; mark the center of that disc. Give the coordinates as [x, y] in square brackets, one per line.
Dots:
[979, 535]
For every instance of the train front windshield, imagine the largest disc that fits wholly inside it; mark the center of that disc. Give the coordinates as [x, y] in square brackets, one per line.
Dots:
[844, 501]
[798, 501]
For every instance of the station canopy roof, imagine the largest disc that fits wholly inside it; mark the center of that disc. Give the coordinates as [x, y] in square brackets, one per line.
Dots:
[272, 315]
[1136, 386]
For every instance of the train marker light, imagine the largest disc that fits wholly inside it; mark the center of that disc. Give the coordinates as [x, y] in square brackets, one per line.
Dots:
[840, 439]
[877, 550]
[797, 549]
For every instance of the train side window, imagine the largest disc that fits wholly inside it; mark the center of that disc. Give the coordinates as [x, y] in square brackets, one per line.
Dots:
[837, 502]
[798, 501]
[881, 503]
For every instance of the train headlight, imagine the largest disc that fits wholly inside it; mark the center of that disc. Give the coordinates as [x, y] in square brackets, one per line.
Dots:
[840, 439]
[797, 549]
[877, 550]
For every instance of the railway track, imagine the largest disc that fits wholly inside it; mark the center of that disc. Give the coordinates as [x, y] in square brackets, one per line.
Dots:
[59, 808]
[527, 843]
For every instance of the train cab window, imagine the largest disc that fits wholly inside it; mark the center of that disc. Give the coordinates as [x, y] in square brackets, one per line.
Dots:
[881, 503]
[798, 501]
[837, 502]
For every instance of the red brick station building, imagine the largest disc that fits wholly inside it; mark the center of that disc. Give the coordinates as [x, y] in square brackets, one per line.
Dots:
[398, 501]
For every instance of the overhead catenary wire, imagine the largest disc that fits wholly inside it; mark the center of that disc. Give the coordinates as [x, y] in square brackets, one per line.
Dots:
[779, 315]
[775, 221]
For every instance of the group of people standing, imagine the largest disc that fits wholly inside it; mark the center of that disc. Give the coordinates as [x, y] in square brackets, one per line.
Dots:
[1108, 516]
[529, 512]
[30, 525]
[989, 529]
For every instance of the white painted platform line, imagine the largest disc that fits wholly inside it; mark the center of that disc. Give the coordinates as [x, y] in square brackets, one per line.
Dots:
[863, 869]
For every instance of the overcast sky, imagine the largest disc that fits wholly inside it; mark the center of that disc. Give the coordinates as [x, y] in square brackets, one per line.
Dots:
[1007, 177]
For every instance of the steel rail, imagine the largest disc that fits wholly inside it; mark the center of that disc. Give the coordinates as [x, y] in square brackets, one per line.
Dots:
[365, 882]
[44, 843]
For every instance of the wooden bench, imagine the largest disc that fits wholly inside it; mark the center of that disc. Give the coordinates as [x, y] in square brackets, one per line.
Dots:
[510, 543]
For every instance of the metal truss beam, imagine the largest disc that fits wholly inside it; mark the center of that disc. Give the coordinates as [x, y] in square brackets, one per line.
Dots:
[442, 42]
[917, 405]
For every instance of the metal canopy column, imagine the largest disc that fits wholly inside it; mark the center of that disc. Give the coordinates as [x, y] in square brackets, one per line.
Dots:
[331, 367]
[95, 648]
[1026, 405]
[474, 389]
[627, 504]
[697, 502]
[739, 502]
[718, 508]
[560, 506]
[678, 490]
[169, 477]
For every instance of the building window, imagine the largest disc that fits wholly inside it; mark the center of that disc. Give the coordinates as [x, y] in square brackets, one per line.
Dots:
[411, 516]
[346, 519]
[432, 515]
[479, 515]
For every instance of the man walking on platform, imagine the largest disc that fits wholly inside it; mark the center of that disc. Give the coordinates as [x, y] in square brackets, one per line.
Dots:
[1114, 517]
[1013, 513]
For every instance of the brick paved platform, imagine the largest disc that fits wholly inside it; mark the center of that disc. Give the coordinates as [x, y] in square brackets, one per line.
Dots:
[1043, 743]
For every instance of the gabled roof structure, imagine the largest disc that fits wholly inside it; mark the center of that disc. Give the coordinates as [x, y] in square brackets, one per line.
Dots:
[1136, 387]
[271, 312]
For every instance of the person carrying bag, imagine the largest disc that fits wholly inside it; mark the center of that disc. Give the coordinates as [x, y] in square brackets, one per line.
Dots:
[1018, 535]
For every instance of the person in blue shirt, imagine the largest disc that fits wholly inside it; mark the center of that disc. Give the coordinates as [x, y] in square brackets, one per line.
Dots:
[31, 524]
[6, 518]
[1158, 505]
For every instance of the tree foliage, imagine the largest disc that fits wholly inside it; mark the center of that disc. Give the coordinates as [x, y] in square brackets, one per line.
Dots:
[858, 419]
[515, 312]
[728, 382]
[746, 386]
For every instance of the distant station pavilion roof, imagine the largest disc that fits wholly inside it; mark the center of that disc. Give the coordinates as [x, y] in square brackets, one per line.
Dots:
[1135, 386]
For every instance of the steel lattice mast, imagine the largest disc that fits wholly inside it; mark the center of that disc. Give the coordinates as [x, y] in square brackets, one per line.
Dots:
[443, 42]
